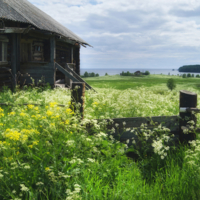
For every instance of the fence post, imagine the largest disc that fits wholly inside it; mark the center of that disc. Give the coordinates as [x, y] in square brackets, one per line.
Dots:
[78, 92]
[187, 100]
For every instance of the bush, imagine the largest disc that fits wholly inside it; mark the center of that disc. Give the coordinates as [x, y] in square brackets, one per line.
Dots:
[171, 84]
[189, 75]
[147, 73]
[106, 74]
[197, 76]
[184, 75]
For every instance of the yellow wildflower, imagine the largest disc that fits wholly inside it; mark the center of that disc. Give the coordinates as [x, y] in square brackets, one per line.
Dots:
[13, 135]
[12, 113]
[30, 106]
[22, 114]
[67, 121]
[30, 146]
[53, 104]
[47, 169]
[1, 124]
[95, 103]
[35, 142]
[36, 108]
[49, 113]
[52, 124]
[69, 111]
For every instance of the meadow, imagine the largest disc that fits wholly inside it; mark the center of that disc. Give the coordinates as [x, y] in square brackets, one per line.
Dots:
[47, 153]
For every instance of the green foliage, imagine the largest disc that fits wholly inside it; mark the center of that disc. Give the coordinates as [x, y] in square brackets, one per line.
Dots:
[146, 73]
[86, 74]
[197, 76]
[106, 74]
[171, 84]
[126, 73]
[55, 157]
[188, 75]
[184, 76]
[189, 68]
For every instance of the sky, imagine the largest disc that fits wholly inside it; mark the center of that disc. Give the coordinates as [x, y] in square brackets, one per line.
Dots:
[131, 33]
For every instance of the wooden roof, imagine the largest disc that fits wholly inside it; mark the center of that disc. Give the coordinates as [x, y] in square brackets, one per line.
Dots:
[25, 12]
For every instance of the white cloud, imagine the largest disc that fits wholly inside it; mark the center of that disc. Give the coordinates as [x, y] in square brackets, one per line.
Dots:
[133, 30]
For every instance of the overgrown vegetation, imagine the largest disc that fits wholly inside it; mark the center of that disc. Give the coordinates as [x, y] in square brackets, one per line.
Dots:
[47, 153]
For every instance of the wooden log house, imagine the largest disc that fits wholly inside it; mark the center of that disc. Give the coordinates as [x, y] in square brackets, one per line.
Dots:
[32, 43]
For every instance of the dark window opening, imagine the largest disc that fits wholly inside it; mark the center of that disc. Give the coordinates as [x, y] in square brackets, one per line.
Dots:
[38, 48]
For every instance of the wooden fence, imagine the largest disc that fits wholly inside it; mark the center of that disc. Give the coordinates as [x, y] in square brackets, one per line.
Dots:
[177, 124]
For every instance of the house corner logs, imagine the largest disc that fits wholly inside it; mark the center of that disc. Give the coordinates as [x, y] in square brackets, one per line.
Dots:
[187, 100]
[77, 96]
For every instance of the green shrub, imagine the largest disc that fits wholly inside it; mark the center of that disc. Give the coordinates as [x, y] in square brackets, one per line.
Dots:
[189, 75]
[146, 73]
[184, 76]
[171, 84]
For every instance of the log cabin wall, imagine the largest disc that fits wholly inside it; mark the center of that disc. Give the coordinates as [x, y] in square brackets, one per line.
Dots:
[5, 60]
[76, 52]
[35, 59]
[63, 56]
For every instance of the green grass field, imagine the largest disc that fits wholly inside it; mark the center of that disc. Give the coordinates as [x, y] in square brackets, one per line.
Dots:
[46, 152]
[132, 82]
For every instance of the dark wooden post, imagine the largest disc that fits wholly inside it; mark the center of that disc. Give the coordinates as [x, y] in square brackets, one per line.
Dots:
[53, 57]
[14, 59]
[78, 94]
[187, 100]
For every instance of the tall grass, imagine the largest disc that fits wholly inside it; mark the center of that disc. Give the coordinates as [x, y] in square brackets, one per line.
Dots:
[47, 153]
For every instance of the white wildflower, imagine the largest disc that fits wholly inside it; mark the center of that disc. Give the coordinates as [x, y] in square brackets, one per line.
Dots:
[91, 160]
[24, 188]
[39, 183]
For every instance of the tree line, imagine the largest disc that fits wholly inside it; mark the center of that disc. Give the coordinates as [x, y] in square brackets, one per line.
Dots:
[189, 68]
[86, 74]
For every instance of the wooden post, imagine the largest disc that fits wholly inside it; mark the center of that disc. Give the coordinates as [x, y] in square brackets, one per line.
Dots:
[14, 59]
[53, 57]
[78, 92]
[187, 100]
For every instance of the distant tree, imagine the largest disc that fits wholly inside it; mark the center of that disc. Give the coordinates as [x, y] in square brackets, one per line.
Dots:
[86, 74]
[189, 75]
[106, 74]
[184, 75]
[171, 84]
[146, 73]
[97, 74]
[197, 76]
[92, 74]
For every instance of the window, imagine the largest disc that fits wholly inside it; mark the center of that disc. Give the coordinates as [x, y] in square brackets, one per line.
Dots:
[3, 51]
